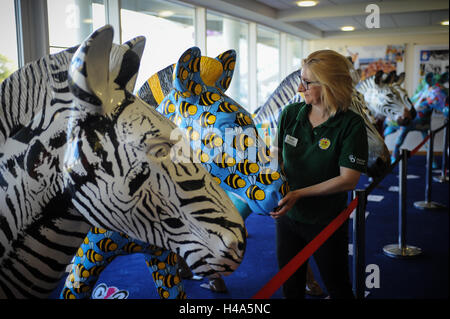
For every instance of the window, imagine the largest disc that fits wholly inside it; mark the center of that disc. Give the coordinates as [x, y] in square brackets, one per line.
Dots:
[71, 21]
[167, 27]
[268, 64]
[8, 44]
[294, 54]
[223, 34]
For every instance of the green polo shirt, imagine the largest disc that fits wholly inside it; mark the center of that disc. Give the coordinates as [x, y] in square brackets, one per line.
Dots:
[313, 155]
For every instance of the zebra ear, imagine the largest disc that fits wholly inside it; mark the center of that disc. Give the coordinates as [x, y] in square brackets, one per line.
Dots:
[228, 60]
[136, 45]
[89, 69]
[400, 78]
[390, 77]
[378, 77]
[187, 66]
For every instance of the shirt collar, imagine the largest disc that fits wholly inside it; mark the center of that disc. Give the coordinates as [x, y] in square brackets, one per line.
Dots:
[331, 122]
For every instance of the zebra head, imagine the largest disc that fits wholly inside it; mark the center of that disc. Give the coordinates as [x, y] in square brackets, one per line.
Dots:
[219, 130]
[120, 168]
[384, 99]
[402, 94]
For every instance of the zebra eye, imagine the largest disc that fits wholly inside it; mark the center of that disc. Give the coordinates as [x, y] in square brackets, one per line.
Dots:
[159, 150]
[173, 222]
[390, 95]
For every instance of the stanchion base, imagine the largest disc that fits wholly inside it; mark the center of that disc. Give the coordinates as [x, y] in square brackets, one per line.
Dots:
[441, 179]
[395, 251]
[428, 205]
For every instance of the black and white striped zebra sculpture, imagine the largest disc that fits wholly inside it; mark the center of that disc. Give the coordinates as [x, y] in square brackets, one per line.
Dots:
[78, 149]
[385, 98]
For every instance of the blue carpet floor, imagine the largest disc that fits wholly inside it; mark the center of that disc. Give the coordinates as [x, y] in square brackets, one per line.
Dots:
[422, 277]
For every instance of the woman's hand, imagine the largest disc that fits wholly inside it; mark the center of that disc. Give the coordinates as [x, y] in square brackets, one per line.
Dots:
[286, 203]
[346, 181]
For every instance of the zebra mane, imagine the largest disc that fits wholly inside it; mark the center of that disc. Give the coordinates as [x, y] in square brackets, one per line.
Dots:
[382, 82]
[370, 83]
[282, 95]
[39, 84]
[163, 80]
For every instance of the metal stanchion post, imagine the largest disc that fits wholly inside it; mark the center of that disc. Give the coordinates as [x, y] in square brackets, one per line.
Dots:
[444, 177]
[428, 204]
[359, 244]
[401, 250]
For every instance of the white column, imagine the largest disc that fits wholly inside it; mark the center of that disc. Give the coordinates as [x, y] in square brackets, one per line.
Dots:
[231, 34]
[32, 30]
[283, 56]
[252, 67]
[200, 29]
[112, 17]
[85, 15]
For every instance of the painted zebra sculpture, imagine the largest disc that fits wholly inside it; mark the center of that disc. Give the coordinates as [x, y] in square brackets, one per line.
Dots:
[101, 247]
[209, 80]
[94, 154]
[266, 119]
[220, 131]
[385, 97]
[433, 96]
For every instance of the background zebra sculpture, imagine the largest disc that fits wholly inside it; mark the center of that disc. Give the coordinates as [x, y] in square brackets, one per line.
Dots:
[432, 96]
[266, 119]
[386, 99]
[90, 154]
[180, 104]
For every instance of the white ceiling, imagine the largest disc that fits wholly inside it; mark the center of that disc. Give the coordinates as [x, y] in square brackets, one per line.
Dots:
[325, 19]
[329, 15]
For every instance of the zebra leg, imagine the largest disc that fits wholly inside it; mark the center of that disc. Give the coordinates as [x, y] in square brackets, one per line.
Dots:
[389, 129]
[164, 267]
[184, 270]
[96, 252]
[216, 284]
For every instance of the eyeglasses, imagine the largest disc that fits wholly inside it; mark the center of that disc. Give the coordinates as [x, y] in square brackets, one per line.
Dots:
[306, 84]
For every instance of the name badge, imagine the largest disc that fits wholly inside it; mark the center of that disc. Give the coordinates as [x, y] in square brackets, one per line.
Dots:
[291, 140]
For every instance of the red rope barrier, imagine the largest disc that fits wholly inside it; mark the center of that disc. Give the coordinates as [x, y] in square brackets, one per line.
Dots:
[414, 151]
[272, 286]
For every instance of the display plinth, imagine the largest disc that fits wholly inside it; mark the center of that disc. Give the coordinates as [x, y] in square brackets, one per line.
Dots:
[396, 251]
[428, 205]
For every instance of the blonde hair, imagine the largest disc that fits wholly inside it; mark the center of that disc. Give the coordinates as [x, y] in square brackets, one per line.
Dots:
[336, 75]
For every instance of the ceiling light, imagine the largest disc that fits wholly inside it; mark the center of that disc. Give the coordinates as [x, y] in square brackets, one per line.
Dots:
[307, 3]
[347, 28]
[88, 20]
[444, 22]
[165, 13]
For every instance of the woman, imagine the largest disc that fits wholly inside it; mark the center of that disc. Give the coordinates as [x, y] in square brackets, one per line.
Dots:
[323, 149]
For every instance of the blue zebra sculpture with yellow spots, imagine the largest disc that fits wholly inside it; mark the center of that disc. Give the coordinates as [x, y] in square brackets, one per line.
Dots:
[101, 247]
[220, 131]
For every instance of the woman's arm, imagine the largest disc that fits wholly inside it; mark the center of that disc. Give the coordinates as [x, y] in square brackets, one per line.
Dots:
[346, 181]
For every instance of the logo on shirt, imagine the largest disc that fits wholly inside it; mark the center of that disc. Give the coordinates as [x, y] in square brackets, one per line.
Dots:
[356, 160]
[324, 143]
